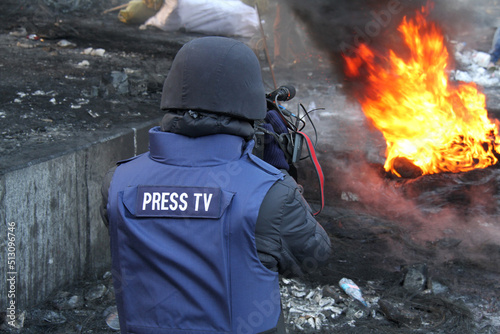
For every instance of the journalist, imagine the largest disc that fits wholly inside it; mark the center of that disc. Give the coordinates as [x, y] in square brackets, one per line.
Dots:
[200, 228]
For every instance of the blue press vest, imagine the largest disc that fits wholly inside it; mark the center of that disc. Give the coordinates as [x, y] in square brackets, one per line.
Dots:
[182, 229]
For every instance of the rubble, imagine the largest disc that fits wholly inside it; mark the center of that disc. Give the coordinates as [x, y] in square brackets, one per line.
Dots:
[475, 67]
[408, 290]
[399, 303]
[416, 278]
[66, 301]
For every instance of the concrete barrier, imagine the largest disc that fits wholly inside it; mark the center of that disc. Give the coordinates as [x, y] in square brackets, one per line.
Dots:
[51, 227]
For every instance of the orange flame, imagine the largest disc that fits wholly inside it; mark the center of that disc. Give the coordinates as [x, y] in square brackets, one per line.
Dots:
[437, 125]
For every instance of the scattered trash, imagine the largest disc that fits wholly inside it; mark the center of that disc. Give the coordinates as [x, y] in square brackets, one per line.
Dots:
[98, 52]
[33, 37]
[352, 290]
[349, 197]
[138, 11]
[66, 44]
[112, 319]
[39, 93]
[475, 66]
[83, 63]
[131, 114]
[96, 292]
[94, 52]
[481, 58]
[356, 311]
[93, 114]
[82, 101]
[53, 317]
[463, 76]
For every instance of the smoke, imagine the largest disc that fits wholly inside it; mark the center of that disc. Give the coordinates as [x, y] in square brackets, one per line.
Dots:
[450, 216]
[442, 216]
[338, 27]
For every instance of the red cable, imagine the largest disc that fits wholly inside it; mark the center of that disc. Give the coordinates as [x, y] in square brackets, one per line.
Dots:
[317, 166]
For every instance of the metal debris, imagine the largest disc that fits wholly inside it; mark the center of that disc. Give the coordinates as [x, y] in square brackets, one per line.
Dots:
[96, 292]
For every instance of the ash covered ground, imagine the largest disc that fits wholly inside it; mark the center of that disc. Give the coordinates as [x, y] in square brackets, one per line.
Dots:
[424, 252]
[56, 96]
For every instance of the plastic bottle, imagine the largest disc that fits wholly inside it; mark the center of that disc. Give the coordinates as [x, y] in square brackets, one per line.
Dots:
[352, 290]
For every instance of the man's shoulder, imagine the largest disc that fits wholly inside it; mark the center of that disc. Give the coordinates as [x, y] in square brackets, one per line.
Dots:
[285, 188]
[266, 167]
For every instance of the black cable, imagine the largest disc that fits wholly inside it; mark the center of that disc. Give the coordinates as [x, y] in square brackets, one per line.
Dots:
[312, 123]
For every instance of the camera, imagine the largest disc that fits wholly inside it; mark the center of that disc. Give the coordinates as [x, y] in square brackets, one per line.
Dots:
[282, 128]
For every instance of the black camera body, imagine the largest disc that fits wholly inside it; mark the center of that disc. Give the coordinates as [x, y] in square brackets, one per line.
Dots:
[288, 135]
[289, 141]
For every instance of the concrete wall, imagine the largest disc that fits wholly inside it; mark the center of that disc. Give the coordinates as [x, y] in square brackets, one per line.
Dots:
[54, 207]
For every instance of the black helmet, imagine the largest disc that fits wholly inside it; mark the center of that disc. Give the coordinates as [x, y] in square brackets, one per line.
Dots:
[218, 75]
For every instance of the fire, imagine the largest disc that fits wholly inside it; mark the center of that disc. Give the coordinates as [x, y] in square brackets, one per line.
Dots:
[438, 125]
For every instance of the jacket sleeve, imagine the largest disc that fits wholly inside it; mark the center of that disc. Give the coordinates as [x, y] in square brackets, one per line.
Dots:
[288, 237]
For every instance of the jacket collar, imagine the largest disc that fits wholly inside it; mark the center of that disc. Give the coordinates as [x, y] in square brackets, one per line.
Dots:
[173, 149]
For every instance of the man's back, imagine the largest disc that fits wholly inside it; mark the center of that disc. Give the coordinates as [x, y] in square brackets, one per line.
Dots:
[183, 237]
